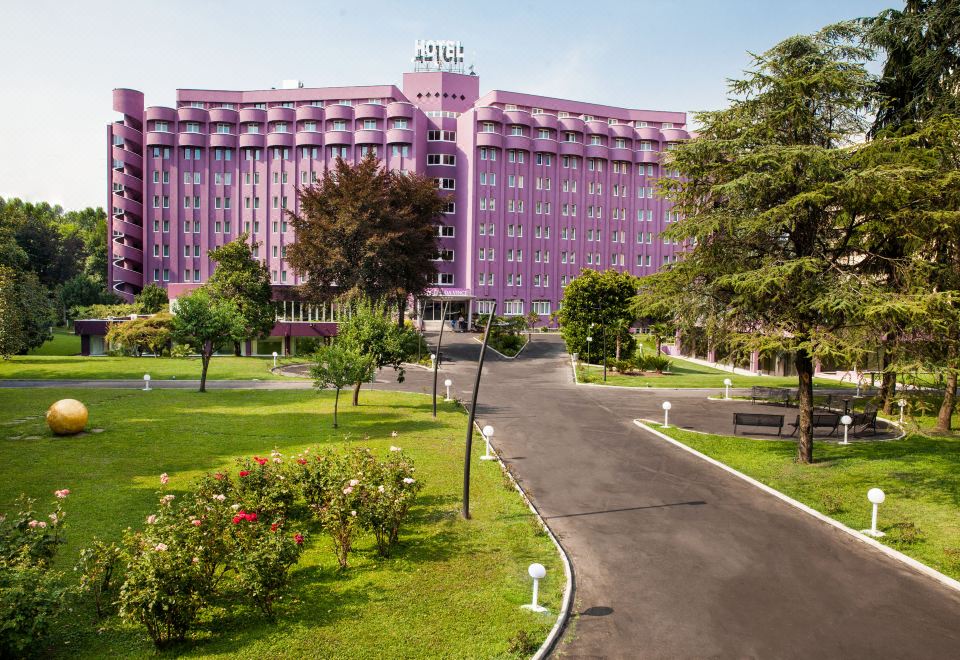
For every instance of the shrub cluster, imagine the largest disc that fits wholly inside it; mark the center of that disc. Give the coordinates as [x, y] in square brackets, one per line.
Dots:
[235, 536]
[640, 363]
[30, 592]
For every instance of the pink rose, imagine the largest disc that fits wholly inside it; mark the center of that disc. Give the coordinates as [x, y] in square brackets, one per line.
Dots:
[164, 478]
[151, 519]
[62, 493]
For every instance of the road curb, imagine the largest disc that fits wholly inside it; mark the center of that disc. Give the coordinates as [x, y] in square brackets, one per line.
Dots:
[564, 615]
[505, 357]
[887, 550]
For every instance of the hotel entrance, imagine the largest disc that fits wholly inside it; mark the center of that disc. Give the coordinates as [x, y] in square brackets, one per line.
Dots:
[459, 316]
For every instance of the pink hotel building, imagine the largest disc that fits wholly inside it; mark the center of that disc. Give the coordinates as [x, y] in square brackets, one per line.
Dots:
[539, 187]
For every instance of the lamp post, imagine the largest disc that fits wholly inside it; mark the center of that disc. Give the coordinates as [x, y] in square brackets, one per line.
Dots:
[903, 404]
[146, 382]
[666, 414]
[473, 413]
[726, 386]
[274, 359]
[589, 342]
[487, 434]
[876, 497]
[846, 420]
[447, 383]
[436, 356]
[537, 572]
[604, 352]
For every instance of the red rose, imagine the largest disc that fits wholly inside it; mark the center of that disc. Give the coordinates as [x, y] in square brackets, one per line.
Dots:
[250, 517]
[298, 538]
[261, 461]
[244, 473]
[274, 527]
[218, 476]
[302, 461]
[237, 519]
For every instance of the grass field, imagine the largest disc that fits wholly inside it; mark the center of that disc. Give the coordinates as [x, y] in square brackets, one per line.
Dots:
[920, 476]
[47, 367]
[453, 589]
[64, 342]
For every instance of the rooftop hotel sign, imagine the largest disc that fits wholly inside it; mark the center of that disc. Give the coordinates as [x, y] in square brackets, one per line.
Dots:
[438, 55]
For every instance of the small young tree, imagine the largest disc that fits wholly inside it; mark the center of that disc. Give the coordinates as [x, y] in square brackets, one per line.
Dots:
[151, 334]
[337, 366]
[369, 332]
[245, 280]
[202, 321]
[152, 299]
[604, 300]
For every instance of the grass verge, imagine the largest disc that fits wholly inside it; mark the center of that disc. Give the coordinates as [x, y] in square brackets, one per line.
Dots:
[919, 474]
[64, 342]
[76, 367]
[453, 588]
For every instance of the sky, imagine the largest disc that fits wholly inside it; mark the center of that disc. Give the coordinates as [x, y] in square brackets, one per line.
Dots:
[60, 61]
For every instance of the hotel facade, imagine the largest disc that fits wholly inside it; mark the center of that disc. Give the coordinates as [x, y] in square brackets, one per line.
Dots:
[539, 188]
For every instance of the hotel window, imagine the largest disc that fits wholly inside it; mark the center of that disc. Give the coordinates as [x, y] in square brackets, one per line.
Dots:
[587, 117]
[543, 134]
[536, 111]
[620, 143]
[310, 126]
[166, 274]
[516, 130]
[156, 201]
[446, 231]
[166, 201]
[443, 279]
[156, 225]
[488, 127]
[612, 122]
[253, 127]
[485, 306]
[667, 124]
[513, 307]
[156, 250]
[646, 146]
[400, 123]
[338, 152]
[544, 159]
[192, 127]
[369, 124]
[338, 125]
[156, 274]
[345, 102]
[536, 280]
[161, 127]
[442, 159]
[595, 139]
[400, 150]
[446, 184]
[450, 208]
[569, 136]
[482, 279]
[442, 136]
[223, 128]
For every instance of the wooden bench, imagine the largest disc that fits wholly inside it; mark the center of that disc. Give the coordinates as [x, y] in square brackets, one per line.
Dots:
[865, 420]
[820, 421]
[778, 395]
[754, 419]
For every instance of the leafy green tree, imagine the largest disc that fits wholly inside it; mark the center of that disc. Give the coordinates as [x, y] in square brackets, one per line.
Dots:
[202, 321]
[337, 366]
[152, 333]
[370, 332]
[80, 291]
[771, 196]
[11, 316]
[365, 230]
[604, 299]
[245, 280]
[152, 299]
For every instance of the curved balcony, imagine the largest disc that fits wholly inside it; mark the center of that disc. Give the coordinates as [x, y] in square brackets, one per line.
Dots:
[123, 275]
[280, 139]
[647, 156]
[368, 136]
[254, 140]
[130, 103]
[545, 145]
[128, 228]
[490, 140]
[309, 139]
[570, 124]
[596, 151]
[597, 127]
[401, 135]
[129, 205]
[338, 112]
[649, 133]
[370, 111]
[192, 139]
[489, 113]
[544, 120]
[186, 113]
[126, 252]
[521, 117]
[623, 131]
[156, 138]
[127, 157]
[281, 114]
[621, 153]
[309, 113]
[228, 140]
[161, 113]
[400, 109]
[253, 114]
[571, 149]
[338, 137]
[128, 133]
[224, 115]
[517, 142]
[674, 134]
[134, 183]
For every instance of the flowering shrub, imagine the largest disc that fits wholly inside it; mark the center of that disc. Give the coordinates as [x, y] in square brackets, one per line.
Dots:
[99, 566]
[262, 485]
[264, 555]
[29, 591]
[340, 502]
[388, 499]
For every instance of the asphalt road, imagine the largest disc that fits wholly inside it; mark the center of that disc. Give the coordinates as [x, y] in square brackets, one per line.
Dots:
[673, 557]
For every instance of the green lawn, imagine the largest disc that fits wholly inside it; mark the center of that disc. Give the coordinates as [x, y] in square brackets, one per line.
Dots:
[684, 373]
[45, 367]
[920, 476]
[453, 589]
[64, 342]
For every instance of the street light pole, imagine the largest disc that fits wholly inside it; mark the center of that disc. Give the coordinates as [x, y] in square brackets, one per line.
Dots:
[604, 352]
[473, 412]
[436, 363]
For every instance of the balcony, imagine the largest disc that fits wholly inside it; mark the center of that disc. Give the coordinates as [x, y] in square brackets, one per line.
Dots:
[570, 124]
[186, 113]
[309, 139]
[517, 142]
[543, 120]
[490, 140]
[280, 139]
[224, 115]
[254, 140]
[129, 158]
[489, 113]
[400, 109]
[253, 115]
[571, 149]
[647, 157]
[157, 139]
[128, 228]
[310, 113]
[368, 136]
[161, 113]
[596, 151]
[399, 135]
[596, 127]
[674, 134]
[623, 131]
[338, 112]
[338, 137]
[370, 111]
[192, 139]
[621, 153]
[281, 114]
[649, 133]
[517, 117]
[228, 140]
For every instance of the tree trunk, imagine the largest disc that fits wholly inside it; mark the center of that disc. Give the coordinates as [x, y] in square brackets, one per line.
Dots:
[618, 347]
[888, 383]
[356, 393]
[401, 308]
[804, 366]
[205, 361]
[336, 402]
[945, 416]
[236, 349]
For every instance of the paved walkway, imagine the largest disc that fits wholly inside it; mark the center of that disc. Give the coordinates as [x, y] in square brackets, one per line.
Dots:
[673, 557]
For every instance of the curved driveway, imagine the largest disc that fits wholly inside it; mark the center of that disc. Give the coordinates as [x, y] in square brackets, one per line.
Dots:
[675, 558]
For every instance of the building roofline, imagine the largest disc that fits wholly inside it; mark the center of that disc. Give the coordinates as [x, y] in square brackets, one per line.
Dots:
[588, 107]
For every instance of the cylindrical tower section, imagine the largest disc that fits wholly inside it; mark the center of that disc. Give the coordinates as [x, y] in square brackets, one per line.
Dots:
[126, 194]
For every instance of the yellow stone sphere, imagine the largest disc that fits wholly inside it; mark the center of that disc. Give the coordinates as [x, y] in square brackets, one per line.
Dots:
[67, 416]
